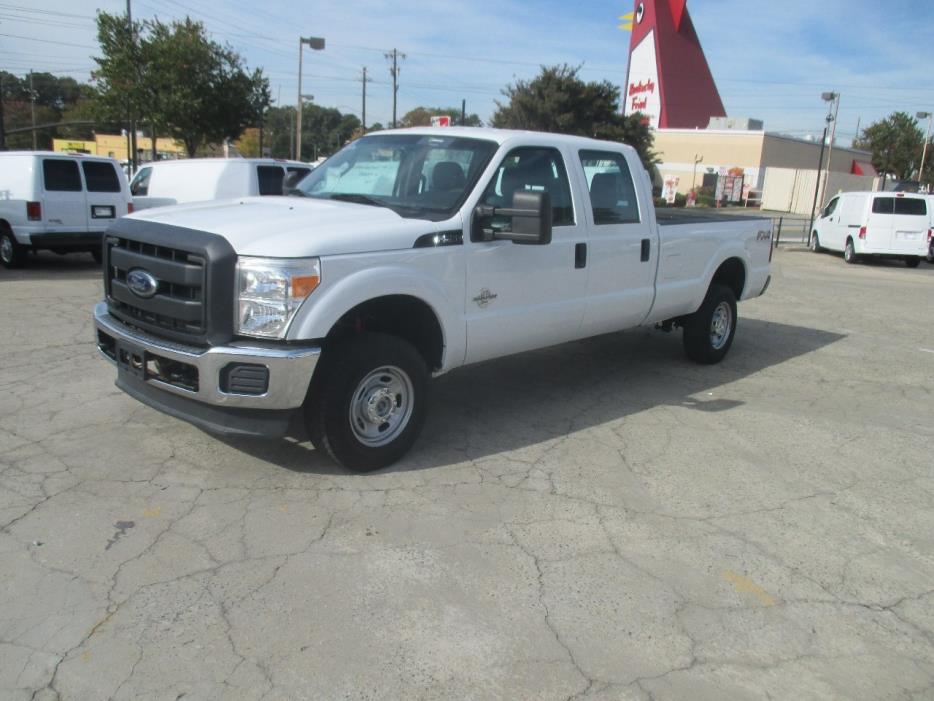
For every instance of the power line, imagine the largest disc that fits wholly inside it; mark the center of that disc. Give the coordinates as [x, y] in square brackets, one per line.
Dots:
[48, 41]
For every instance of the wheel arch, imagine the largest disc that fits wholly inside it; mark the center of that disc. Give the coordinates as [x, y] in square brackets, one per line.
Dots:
[732, 273]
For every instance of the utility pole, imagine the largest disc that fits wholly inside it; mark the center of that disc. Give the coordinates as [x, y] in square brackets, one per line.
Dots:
[316, 43]
[826, 97]
[463, 113]
[365, 81]
[133, 156]
[924, 151]
[32, 109]
[394, 72]
[2, 122]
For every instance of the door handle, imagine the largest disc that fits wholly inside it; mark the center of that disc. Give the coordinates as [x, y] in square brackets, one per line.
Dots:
[646, 249]
[580, 255]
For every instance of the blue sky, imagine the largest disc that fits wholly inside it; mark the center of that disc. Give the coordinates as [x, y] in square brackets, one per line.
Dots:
[771, 60]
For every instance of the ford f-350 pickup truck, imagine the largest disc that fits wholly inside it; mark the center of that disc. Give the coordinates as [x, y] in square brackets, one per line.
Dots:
[405, 255]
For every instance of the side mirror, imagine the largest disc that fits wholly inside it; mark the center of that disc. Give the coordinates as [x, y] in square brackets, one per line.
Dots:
[531, 219]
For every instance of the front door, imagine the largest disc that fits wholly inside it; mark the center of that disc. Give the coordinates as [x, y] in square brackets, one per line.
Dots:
[519, 296]
[64, 204]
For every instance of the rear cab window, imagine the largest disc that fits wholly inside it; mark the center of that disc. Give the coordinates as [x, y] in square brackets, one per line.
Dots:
[100, 176]
[912, 206]
[883, 205]
[270, 179]
[61, 175]
[612, 192]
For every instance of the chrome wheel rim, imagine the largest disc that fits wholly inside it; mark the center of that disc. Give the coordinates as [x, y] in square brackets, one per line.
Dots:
[720, 325]
[814, 243]
[6, 249]
[381, 406]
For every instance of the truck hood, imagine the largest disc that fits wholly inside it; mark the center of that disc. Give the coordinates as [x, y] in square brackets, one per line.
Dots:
[293, 227]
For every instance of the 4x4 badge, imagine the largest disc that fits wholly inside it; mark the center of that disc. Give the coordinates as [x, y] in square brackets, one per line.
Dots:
[484, 298]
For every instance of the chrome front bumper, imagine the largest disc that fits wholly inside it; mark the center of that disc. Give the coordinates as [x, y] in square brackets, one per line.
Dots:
[289, 369]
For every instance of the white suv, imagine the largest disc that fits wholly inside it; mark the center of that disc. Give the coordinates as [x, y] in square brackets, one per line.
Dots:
[57, 201]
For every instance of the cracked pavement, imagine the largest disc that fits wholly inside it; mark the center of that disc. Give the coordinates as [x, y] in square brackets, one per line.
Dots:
[600, 520]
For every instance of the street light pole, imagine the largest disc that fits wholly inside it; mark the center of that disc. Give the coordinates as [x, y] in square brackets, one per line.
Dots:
[316, 43]
[833, 131]
[924, 151]
[826, 97]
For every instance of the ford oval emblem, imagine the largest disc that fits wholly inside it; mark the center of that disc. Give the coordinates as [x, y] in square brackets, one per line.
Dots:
[142, 283]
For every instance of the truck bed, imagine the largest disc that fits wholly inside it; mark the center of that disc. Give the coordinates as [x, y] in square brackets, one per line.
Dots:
[667, 216]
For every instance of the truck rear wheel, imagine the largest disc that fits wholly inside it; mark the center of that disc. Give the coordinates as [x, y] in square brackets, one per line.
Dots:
[12, 253]
[708, 332]
[849, 252]
[368, 401]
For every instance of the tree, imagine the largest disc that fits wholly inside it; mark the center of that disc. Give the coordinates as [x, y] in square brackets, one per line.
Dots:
[421, 117]
[557, 100]
[175, 78]
[57, 99]
[896, 143]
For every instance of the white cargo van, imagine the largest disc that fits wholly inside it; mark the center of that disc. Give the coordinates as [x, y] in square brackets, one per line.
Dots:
[879, 224]
[200, 179]
[57, 201]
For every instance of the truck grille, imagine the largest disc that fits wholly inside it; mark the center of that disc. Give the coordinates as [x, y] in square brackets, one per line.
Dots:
[178, 305]
[189, 296]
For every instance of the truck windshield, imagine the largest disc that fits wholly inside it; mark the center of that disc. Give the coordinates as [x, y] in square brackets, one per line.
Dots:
[416, 175]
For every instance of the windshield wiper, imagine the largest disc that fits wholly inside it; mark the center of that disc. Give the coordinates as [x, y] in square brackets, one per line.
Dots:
[357, 198]
[295, 192]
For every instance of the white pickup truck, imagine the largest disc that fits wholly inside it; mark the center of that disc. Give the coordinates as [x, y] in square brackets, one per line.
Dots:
[407, 254]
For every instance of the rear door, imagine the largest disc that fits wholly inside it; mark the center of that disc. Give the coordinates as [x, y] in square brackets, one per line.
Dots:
[909, 226]
[105, 197]
[622, 249]
[879, 224]
[64, 202]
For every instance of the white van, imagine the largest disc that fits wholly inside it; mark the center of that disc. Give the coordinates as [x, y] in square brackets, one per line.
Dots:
[199, 179]
[882, 224]
[57, 201]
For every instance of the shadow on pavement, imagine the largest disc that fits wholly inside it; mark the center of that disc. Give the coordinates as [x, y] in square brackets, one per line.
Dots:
[522, 400]
[45, 265]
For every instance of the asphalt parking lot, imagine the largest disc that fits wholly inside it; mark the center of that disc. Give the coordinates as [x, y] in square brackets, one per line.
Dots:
[600, 520]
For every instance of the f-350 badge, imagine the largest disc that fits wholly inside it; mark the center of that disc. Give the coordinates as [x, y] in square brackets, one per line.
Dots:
[484, 298]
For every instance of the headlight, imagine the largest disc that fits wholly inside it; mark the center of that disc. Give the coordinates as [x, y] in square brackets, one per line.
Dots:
[270, 291]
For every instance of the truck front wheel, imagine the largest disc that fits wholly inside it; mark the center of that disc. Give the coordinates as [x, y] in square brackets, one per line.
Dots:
[368, 401]
[708, 332]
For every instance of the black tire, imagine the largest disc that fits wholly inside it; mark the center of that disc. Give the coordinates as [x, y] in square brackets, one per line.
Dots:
[849, 252]
[12, 253]
[815, 243]
[338, 387]
[98, 255]
[913, 261]
[702, 343]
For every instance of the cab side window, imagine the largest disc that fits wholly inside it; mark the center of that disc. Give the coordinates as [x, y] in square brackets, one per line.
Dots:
[612, 193]
[140, 185]
[61, 175]
[830, 208]
[531, 169]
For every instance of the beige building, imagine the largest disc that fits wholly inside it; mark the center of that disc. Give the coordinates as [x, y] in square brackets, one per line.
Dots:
[734, 163]
[115, 146]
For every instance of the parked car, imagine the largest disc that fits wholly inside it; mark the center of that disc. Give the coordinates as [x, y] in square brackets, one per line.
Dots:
[57, 201]
[409, 253]
[878, 224]
[163, 183]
